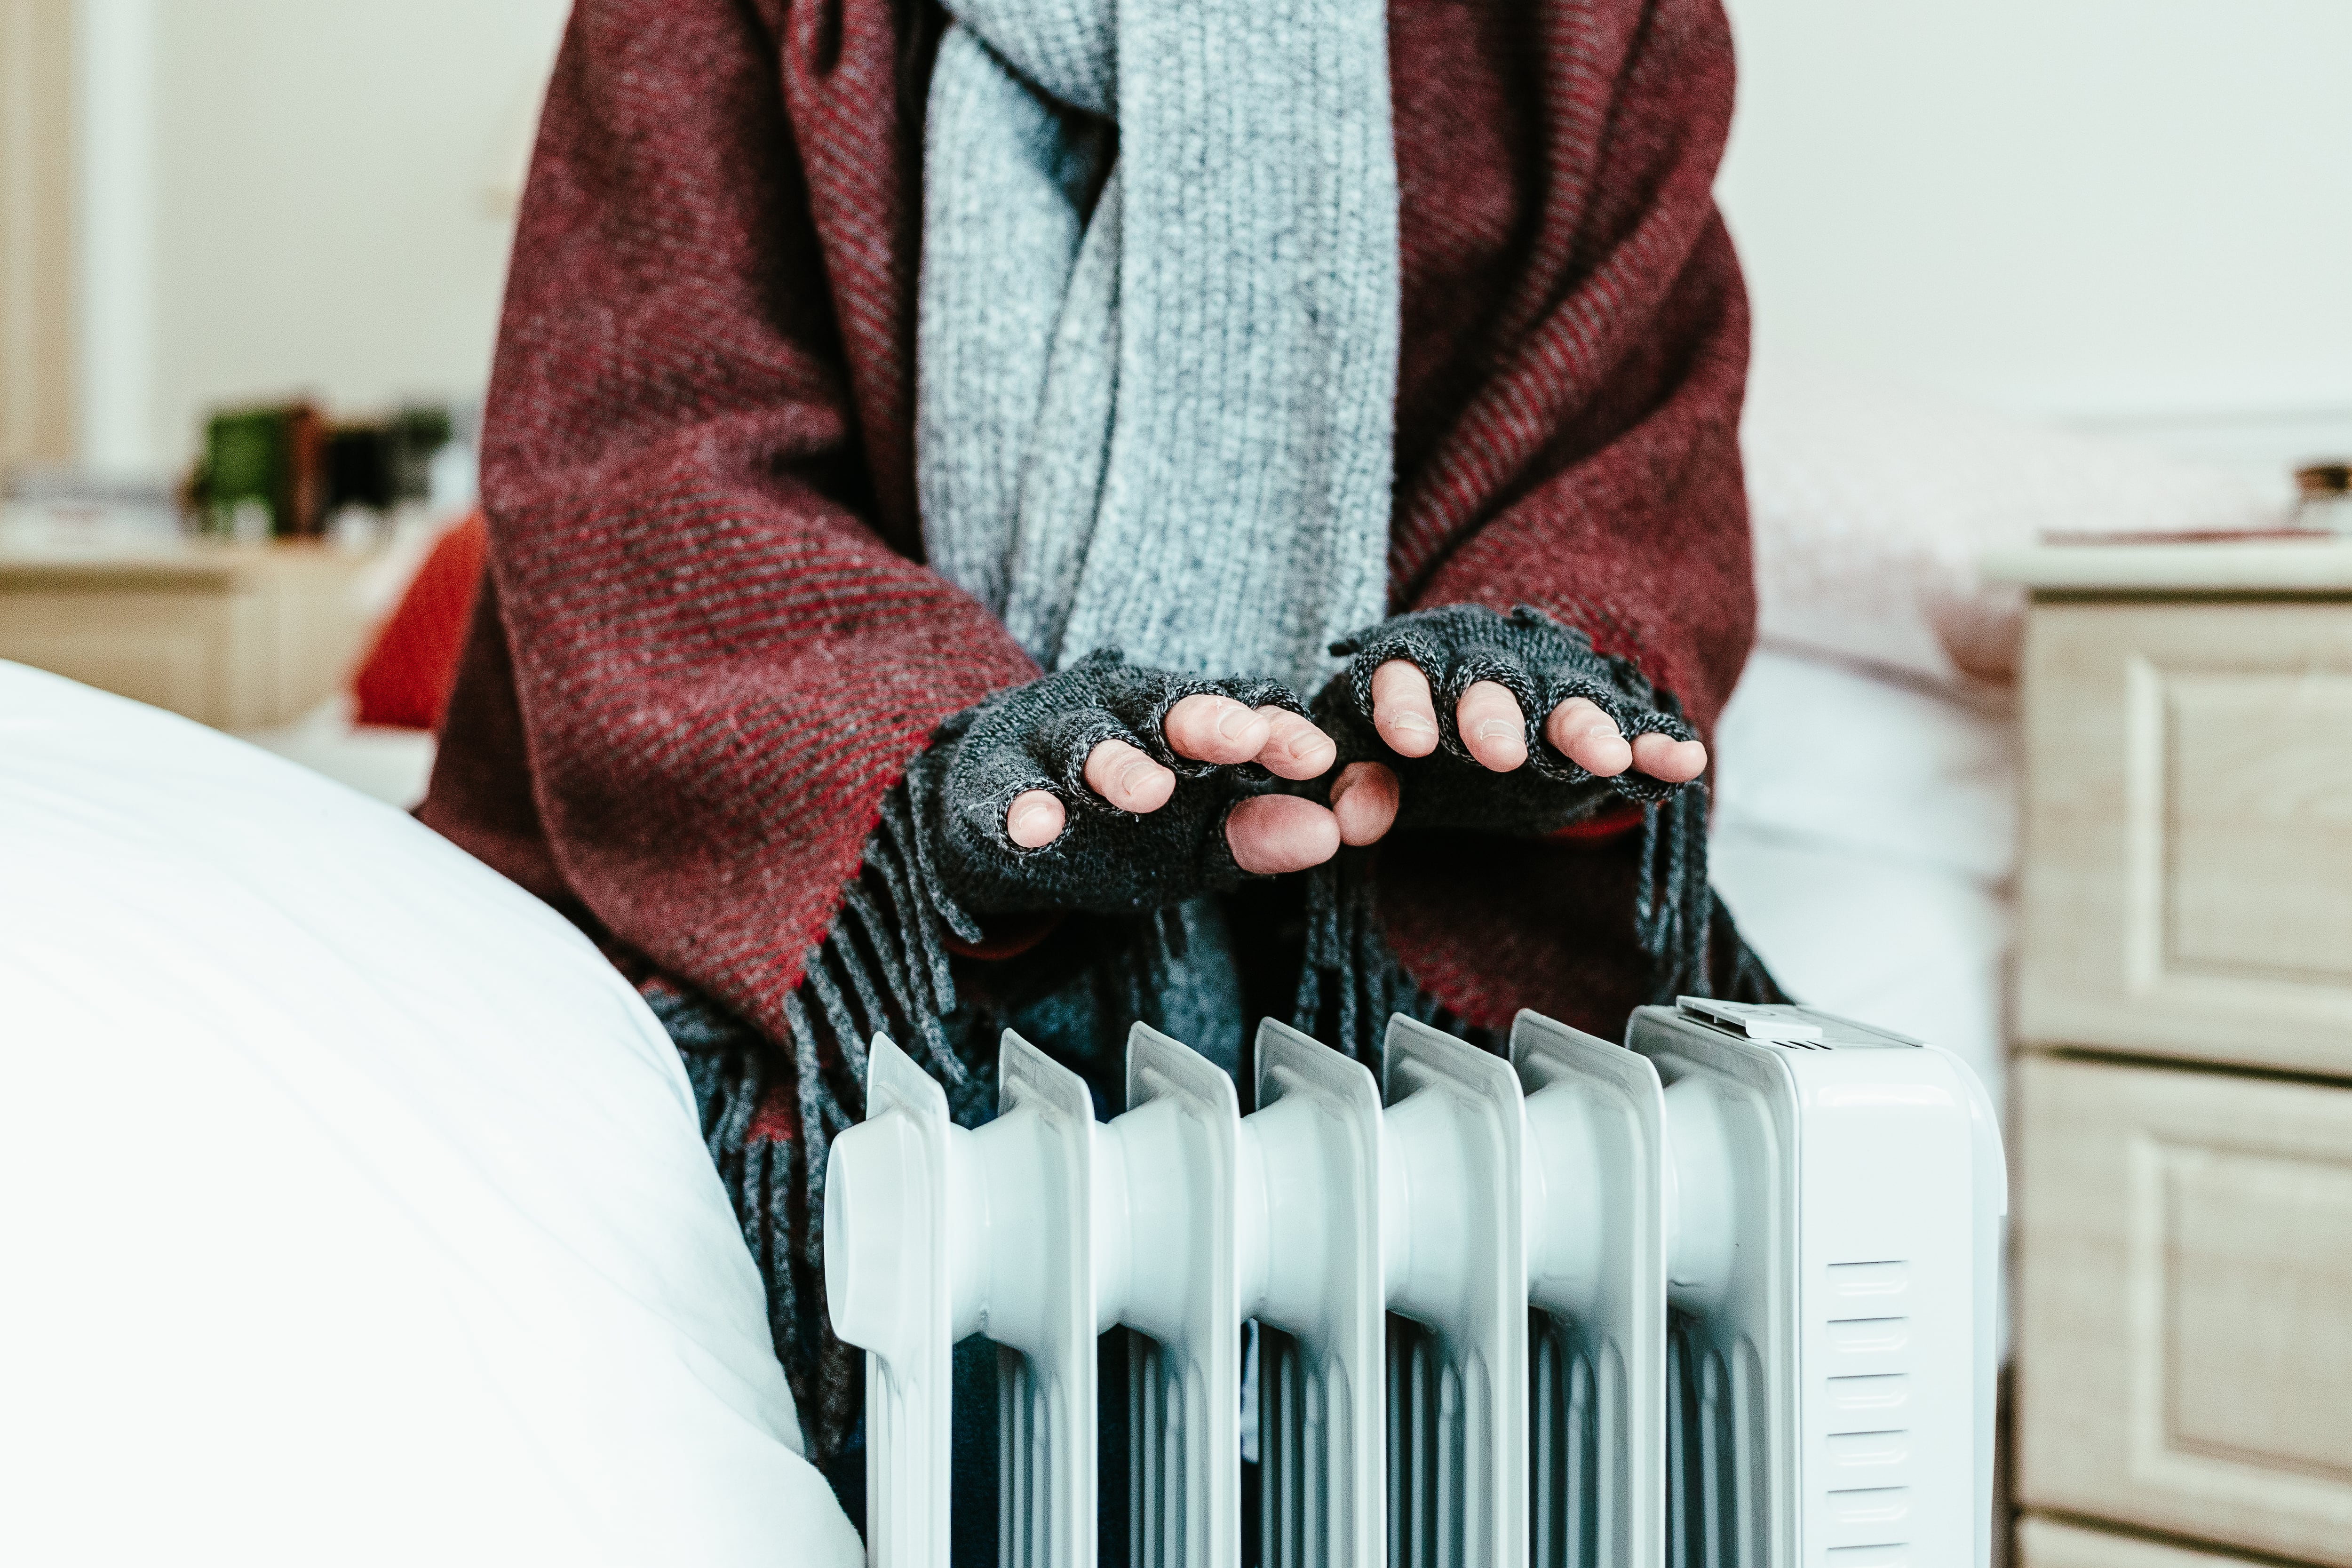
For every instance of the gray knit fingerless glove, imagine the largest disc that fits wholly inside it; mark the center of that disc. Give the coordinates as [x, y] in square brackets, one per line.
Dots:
[1106, 861]
[1542, 664]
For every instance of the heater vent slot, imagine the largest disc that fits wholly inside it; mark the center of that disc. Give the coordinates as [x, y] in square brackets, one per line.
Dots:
[1435, 1412]
[1869, 1281]
[1577, 1448]
[1868, 1336]
[1867, 1448]
[1025, 1504]
[1869, 1399]
[1307, 1422]
[1167, 1492]
[1869, 1507]
[1717, 1473]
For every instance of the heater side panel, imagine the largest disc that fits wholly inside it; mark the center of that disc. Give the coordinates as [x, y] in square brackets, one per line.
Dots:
[1886, 1332]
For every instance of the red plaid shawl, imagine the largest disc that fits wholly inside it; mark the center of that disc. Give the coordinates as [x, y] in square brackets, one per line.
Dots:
[710, 643]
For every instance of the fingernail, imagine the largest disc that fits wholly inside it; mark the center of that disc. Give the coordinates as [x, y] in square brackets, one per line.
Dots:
[1232, 719]
[1411, 724]
[1497, 728]
[1306, 744]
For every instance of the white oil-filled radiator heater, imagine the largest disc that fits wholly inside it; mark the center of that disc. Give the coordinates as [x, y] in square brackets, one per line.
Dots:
[1723, 1299]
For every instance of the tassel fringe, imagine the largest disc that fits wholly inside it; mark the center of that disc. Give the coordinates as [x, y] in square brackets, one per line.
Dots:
[882, 968]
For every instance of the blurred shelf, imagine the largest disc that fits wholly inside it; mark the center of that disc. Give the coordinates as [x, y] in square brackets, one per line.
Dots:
[2318, 564]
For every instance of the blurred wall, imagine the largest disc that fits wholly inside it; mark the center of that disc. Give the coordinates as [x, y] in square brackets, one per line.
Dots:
[329, 186]
[2131, 212]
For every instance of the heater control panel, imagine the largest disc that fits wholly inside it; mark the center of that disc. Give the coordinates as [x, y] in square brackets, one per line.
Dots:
[1787, 1024]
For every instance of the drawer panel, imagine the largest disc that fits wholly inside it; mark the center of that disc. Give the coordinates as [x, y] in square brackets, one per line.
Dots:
[2051, 1543]
[2184, 1350]
[2186, 881]
[175, 649]
[243, 650]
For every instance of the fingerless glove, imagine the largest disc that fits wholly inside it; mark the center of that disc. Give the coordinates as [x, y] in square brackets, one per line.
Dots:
[1107, 859]
[1542, 664]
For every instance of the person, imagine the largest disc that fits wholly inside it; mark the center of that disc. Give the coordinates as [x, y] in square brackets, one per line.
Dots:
[1044, 515]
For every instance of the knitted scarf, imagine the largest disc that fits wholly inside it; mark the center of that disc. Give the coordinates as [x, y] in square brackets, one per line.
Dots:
[1157, 322]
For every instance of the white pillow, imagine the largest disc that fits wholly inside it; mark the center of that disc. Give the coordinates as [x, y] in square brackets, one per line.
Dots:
[354, 1210]
[1872, 504]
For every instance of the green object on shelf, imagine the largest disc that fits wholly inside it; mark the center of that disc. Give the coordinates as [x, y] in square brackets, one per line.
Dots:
[262, 472]
[245, 453]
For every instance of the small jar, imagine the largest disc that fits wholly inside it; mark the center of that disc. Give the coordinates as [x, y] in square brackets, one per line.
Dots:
[2323, 498]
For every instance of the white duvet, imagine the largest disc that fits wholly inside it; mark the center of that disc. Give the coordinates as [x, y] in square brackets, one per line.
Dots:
[353, 1209]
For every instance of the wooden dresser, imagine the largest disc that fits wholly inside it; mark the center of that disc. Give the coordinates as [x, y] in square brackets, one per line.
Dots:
[2183, 1120]
[239, 636]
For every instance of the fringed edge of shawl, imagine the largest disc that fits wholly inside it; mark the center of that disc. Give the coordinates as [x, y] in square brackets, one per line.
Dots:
[1677, 917]
[1351, 984]
[881, 968]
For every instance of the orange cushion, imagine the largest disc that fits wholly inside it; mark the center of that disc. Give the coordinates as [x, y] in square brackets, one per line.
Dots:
[405, 680]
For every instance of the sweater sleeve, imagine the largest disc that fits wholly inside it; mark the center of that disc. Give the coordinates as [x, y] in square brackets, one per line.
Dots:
[723, 648]
[1595, 472]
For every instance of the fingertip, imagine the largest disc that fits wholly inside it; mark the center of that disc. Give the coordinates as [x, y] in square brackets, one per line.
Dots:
[1403, 713]
[1407, 734]
[1036, 819]
[1207, 728]
[1492, 727]
[1499, 745]
[1579, 731]
[1127, 778]
[1364, 803]
[1604, 756]
[1270, 835]
[1668, 760]
[1149, 787]
[1295, 748]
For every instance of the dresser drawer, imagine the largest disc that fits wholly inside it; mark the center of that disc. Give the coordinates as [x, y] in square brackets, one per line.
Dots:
[2186, 888]
[235, 637]
[2051, 1543]
[2185, 1303]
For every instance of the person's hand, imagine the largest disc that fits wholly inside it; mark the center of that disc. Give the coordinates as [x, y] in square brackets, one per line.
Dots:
[1461, 717]
[1109, 786]
[1267, 834]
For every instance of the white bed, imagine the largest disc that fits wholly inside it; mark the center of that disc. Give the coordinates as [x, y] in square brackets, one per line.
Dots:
[354, 1208]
